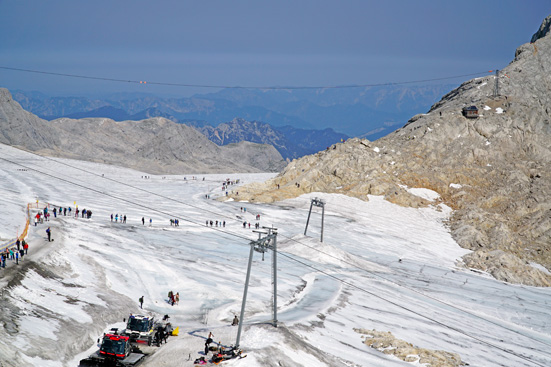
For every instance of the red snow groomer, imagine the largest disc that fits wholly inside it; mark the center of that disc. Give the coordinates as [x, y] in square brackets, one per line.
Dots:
[115, 351]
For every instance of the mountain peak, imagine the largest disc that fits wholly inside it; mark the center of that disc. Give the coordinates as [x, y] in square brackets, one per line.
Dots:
[543, 31]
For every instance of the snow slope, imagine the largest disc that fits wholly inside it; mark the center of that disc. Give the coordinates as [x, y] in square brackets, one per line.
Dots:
[380, 267]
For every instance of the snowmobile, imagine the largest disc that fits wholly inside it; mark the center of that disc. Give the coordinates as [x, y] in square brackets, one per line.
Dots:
[115, 351]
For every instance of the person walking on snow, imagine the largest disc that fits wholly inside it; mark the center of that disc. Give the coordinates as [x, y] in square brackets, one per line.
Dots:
[141, 302]
[49, 232]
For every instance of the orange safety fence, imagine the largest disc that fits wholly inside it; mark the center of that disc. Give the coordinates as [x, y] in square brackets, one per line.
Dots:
[23, 235]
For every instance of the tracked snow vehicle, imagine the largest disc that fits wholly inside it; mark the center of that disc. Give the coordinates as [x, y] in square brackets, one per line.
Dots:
[140, 329]
[115, 351]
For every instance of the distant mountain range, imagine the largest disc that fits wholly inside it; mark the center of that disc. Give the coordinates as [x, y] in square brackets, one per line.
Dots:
[153, 145]
[370, 112]
[290, 142]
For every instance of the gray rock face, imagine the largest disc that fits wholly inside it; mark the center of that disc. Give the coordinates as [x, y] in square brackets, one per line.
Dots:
[155, 145]
[290, 142]
[543, 31]
[499, 165]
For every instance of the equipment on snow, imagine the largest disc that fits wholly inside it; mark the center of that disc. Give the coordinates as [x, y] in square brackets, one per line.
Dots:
[115, 351]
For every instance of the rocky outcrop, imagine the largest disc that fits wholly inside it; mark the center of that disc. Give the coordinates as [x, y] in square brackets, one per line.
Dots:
[543, 31]
[494, 170]
[155, 145]
[388, 344]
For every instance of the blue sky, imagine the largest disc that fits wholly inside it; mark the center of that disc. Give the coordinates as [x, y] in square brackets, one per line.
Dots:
[256, 43]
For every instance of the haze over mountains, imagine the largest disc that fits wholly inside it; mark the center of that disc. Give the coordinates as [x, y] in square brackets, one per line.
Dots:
[367, 111]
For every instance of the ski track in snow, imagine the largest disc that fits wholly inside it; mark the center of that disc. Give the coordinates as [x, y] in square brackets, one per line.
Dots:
[91, 276]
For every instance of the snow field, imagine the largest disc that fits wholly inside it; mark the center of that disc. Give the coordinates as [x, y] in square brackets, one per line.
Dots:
[325, 290]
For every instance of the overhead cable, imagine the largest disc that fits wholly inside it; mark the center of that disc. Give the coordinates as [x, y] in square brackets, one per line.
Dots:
[189, 85]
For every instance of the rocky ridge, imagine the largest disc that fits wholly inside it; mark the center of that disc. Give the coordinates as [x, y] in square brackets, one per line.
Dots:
[494, 171]
[290, 142]
[155, 145]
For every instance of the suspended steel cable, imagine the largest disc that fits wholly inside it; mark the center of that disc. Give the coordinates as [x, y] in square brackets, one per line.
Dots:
[188, 85]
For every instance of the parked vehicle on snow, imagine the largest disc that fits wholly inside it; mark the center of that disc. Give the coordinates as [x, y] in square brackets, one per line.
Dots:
[115, 351]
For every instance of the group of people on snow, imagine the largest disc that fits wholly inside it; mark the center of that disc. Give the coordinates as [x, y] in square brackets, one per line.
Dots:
[117, 217]
[173, 298]
[217, 223]
[15, 253]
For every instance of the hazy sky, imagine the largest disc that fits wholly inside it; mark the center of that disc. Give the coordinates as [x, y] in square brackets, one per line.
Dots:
[255, 42]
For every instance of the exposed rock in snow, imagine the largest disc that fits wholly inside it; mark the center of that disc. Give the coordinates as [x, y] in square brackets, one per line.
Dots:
[388, 344]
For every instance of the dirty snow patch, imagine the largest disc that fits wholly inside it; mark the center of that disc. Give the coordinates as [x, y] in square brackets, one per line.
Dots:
[426, 194]
[540, 267]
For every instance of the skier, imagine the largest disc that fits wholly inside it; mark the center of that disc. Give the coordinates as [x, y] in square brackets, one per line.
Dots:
[141, 302]
[143, 221]
[49, 232]
[235, 321]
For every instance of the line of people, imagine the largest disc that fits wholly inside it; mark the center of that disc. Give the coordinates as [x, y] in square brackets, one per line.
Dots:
[221, 223]
[117, 217]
